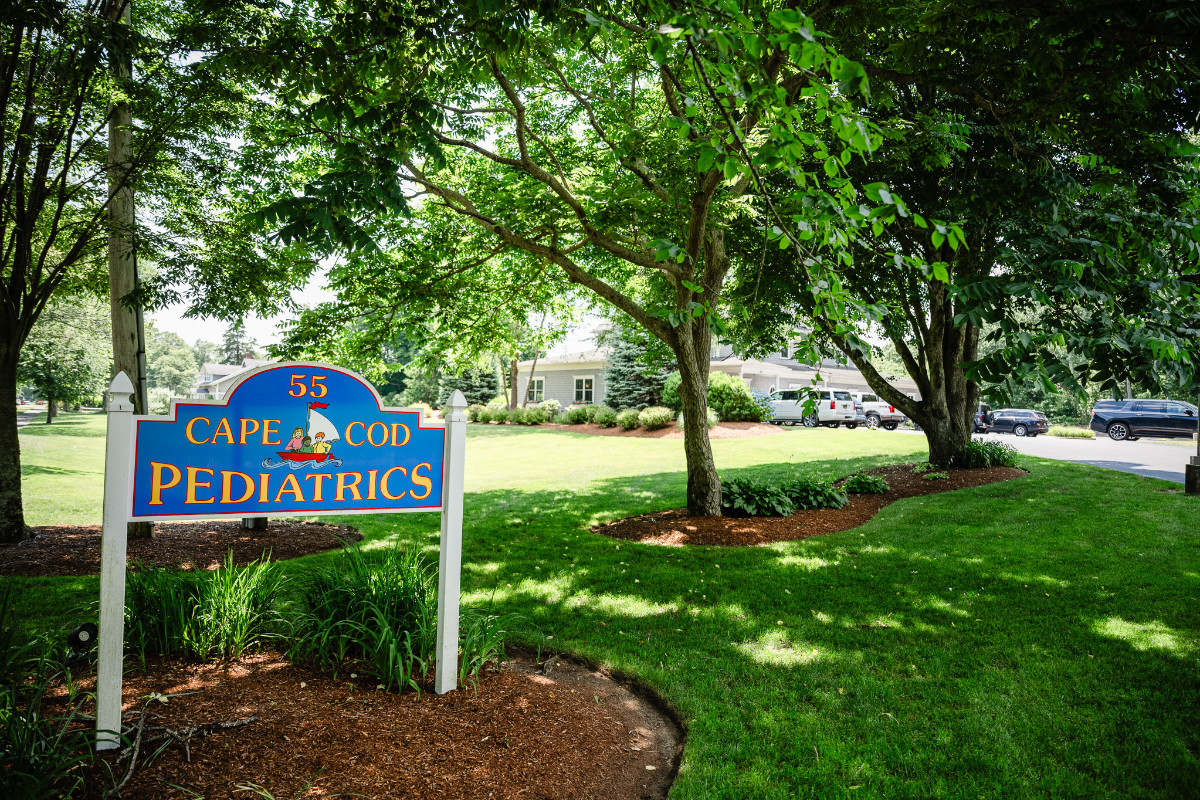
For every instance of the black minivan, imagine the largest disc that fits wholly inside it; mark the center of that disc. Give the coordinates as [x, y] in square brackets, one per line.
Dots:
[1128, 420]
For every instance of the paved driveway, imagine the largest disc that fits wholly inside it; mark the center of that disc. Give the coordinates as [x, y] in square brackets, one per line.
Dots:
[1154, 458]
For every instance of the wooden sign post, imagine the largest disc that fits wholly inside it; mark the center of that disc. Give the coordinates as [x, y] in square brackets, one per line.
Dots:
[287, 439]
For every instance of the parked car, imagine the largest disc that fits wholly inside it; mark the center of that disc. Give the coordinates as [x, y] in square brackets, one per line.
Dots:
[833, 407]
[1128, 420]
[1019, 422]
[878, 412]
[860, 414]
[983, 418]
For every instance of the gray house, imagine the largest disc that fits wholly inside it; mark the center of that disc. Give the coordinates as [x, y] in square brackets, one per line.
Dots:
[214, 380]
[579, 377]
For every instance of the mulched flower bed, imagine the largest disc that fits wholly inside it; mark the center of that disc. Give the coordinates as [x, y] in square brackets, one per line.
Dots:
[550, 731]
[675, 527]
[75, 549]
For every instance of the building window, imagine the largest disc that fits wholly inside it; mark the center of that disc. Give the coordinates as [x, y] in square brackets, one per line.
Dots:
[537, 390]
[784, 352]
[583, 389]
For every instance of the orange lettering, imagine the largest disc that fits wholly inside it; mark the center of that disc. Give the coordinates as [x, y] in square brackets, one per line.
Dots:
[422, 480]
[371, 434]
[188, 430]
[223, 429]
[193, 485]
[245, 424]
[350, 441]
[227, 486]
[345, 485]
[383, 483]
[269, 431]
[291, 487]
[320, 476]
[407, 434]
[156, 484]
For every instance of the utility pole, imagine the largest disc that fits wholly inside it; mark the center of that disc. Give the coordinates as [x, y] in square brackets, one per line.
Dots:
[128, 337]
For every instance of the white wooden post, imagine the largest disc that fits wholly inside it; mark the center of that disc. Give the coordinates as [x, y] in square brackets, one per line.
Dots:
[117, 497]
[450, 558]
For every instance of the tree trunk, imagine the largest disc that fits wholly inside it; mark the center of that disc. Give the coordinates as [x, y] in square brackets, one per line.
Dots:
[12, 515]
[703, 483]
[512, 380]
[127, 334]
[529, 385]
[51, 408]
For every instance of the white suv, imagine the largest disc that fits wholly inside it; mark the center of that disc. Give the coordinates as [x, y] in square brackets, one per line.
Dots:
[833, 407]
[879, 412]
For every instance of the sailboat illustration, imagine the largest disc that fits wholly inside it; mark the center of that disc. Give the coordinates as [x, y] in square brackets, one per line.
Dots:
[317, 429]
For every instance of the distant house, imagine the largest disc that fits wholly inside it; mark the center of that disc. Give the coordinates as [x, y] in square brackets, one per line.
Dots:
[579, 377]
[214, 380]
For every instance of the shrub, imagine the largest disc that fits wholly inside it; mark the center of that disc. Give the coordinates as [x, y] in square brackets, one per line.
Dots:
[809, 493]
[628, 419]
[979, 455]
[936, 476]
[494, 415]
[865, 484]
[655, 417]
[551, 407]
[605, 417]
[754, 498]
[576, 415]
[475, 412]
[670, 392]
[562, 418]
[517, 416]
[535, 415]
[594, 410]
[200, 615]
[711, 421]
[730, 397]
[1071, 433]
[763, 401]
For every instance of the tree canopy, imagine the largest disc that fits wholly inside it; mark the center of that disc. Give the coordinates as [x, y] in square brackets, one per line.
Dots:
[547, 149]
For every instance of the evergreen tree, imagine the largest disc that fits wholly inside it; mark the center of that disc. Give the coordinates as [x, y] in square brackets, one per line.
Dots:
[477, 385]
[236, 344]
[635, 372]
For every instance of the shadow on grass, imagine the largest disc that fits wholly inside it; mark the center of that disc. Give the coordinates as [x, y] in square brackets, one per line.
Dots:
[29, 470]
[1008, 636]
[68, 425]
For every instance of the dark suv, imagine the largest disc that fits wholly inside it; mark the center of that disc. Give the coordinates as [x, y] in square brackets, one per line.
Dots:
[1019, 422]
[1127, 420]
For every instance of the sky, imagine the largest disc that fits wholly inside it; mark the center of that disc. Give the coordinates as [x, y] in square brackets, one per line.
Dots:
[265, 331]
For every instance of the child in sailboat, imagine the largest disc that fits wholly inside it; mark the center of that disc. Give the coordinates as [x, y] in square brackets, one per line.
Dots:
[297, 440]
[319, 444]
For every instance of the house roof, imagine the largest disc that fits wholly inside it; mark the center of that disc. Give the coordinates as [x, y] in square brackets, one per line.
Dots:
[598, 357]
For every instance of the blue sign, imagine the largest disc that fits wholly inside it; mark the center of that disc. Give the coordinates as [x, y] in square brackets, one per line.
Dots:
[289, 439]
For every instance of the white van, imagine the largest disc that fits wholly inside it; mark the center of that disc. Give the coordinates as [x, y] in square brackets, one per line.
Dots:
[833, 407]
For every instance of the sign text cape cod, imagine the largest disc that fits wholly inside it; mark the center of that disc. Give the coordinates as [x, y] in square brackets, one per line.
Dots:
[287, 439]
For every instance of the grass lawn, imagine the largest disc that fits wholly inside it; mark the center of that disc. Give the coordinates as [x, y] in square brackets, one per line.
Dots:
[1029, 639]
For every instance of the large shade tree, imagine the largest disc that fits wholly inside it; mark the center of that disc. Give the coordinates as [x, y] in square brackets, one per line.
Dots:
[1053, 133]
[57, 188]
[546, 150]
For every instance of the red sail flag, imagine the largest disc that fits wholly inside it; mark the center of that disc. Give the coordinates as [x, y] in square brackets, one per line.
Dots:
[318, 405]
